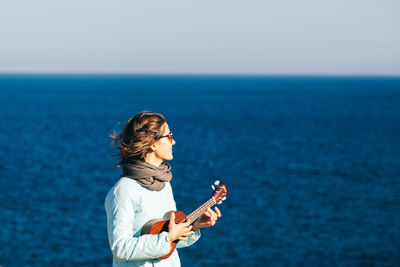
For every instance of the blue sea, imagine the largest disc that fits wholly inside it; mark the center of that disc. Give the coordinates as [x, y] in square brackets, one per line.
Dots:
[312, 166]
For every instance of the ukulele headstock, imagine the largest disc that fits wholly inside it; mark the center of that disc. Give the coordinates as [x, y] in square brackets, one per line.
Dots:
[220, 192]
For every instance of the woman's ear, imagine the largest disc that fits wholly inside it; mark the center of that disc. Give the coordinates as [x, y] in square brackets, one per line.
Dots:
[153, 147]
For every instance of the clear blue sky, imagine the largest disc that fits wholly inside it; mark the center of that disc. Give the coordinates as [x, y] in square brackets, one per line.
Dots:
[207, 36]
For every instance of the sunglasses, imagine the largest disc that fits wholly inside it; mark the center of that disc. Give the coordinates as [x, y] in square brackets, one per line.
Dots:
[169, 136]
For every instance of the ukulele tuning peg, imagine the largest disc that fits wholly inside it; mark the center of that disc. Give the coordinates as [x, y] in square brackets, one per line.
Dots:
[216, 182]
[219, 202]
[213, 187]
[224, 198]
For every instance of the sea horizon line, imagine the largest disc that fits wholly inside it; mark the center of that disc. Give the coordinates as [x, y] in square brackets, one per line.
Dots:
[222, 75]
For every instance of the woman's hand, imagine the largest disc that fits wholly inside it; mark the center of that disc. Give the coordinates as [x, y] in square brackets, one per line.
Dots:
[179, 231]
[207, 219]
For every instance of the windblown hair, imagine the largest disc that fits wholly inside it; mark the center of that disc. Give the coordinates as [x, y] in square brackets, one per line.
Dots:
[139, 133]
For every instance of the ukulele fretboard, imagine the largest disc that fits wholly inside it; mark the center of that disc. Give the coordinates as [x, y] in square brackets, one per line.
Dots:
[200, 210]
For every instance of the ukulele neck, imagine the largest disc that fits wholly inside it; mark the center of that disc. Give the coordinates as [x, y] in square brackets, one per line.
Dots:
[200, 210]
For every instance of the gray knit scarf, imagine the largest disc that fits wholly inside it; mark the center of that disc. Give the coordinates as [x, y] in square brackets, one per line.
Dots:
[147, 175]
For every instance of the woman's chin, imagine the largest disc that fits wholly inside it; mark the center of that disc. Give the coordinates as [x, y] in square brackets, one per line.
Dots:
[169, 158]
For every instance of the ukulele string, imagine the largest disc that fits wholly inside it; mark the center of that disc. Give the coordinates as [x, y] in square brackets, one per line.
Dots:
[194, 215]
[200, 210]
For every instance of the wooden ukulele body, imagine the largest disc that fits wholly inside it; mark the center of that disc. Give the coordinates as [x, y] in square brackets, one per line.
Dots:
[155, 227]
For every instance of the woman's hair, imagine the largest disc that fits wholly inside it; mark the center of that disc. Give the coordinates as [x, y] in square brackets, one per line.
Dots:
[139, 133]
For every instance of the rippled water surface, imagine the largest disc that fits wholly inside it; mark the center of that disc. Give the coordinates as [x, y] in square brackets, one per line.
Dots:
[312, 166]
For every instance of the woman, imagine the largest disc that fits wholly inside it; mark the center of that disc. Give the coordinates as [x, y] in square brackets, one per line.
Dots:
[144, 193]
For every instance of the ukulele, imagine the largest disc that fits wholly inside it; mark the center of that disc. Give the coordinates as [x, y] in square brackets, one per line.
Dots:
[156, 226]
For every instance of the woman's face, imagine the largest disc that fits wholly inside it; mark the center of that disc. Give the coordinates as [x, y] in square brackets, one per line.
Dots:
[164, 145]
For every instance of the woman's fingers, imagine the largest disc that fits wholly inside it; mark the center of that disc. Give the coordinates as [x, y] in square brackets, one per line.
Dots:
[184, 236]
[178, 230]
[208, 218]
[218, 212]
[213, 215]
[172, 218]
[188, 233]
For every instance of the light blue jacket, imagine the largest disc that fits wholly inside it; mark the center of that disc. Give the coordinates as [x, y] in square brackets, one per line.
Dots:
[129, 206]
